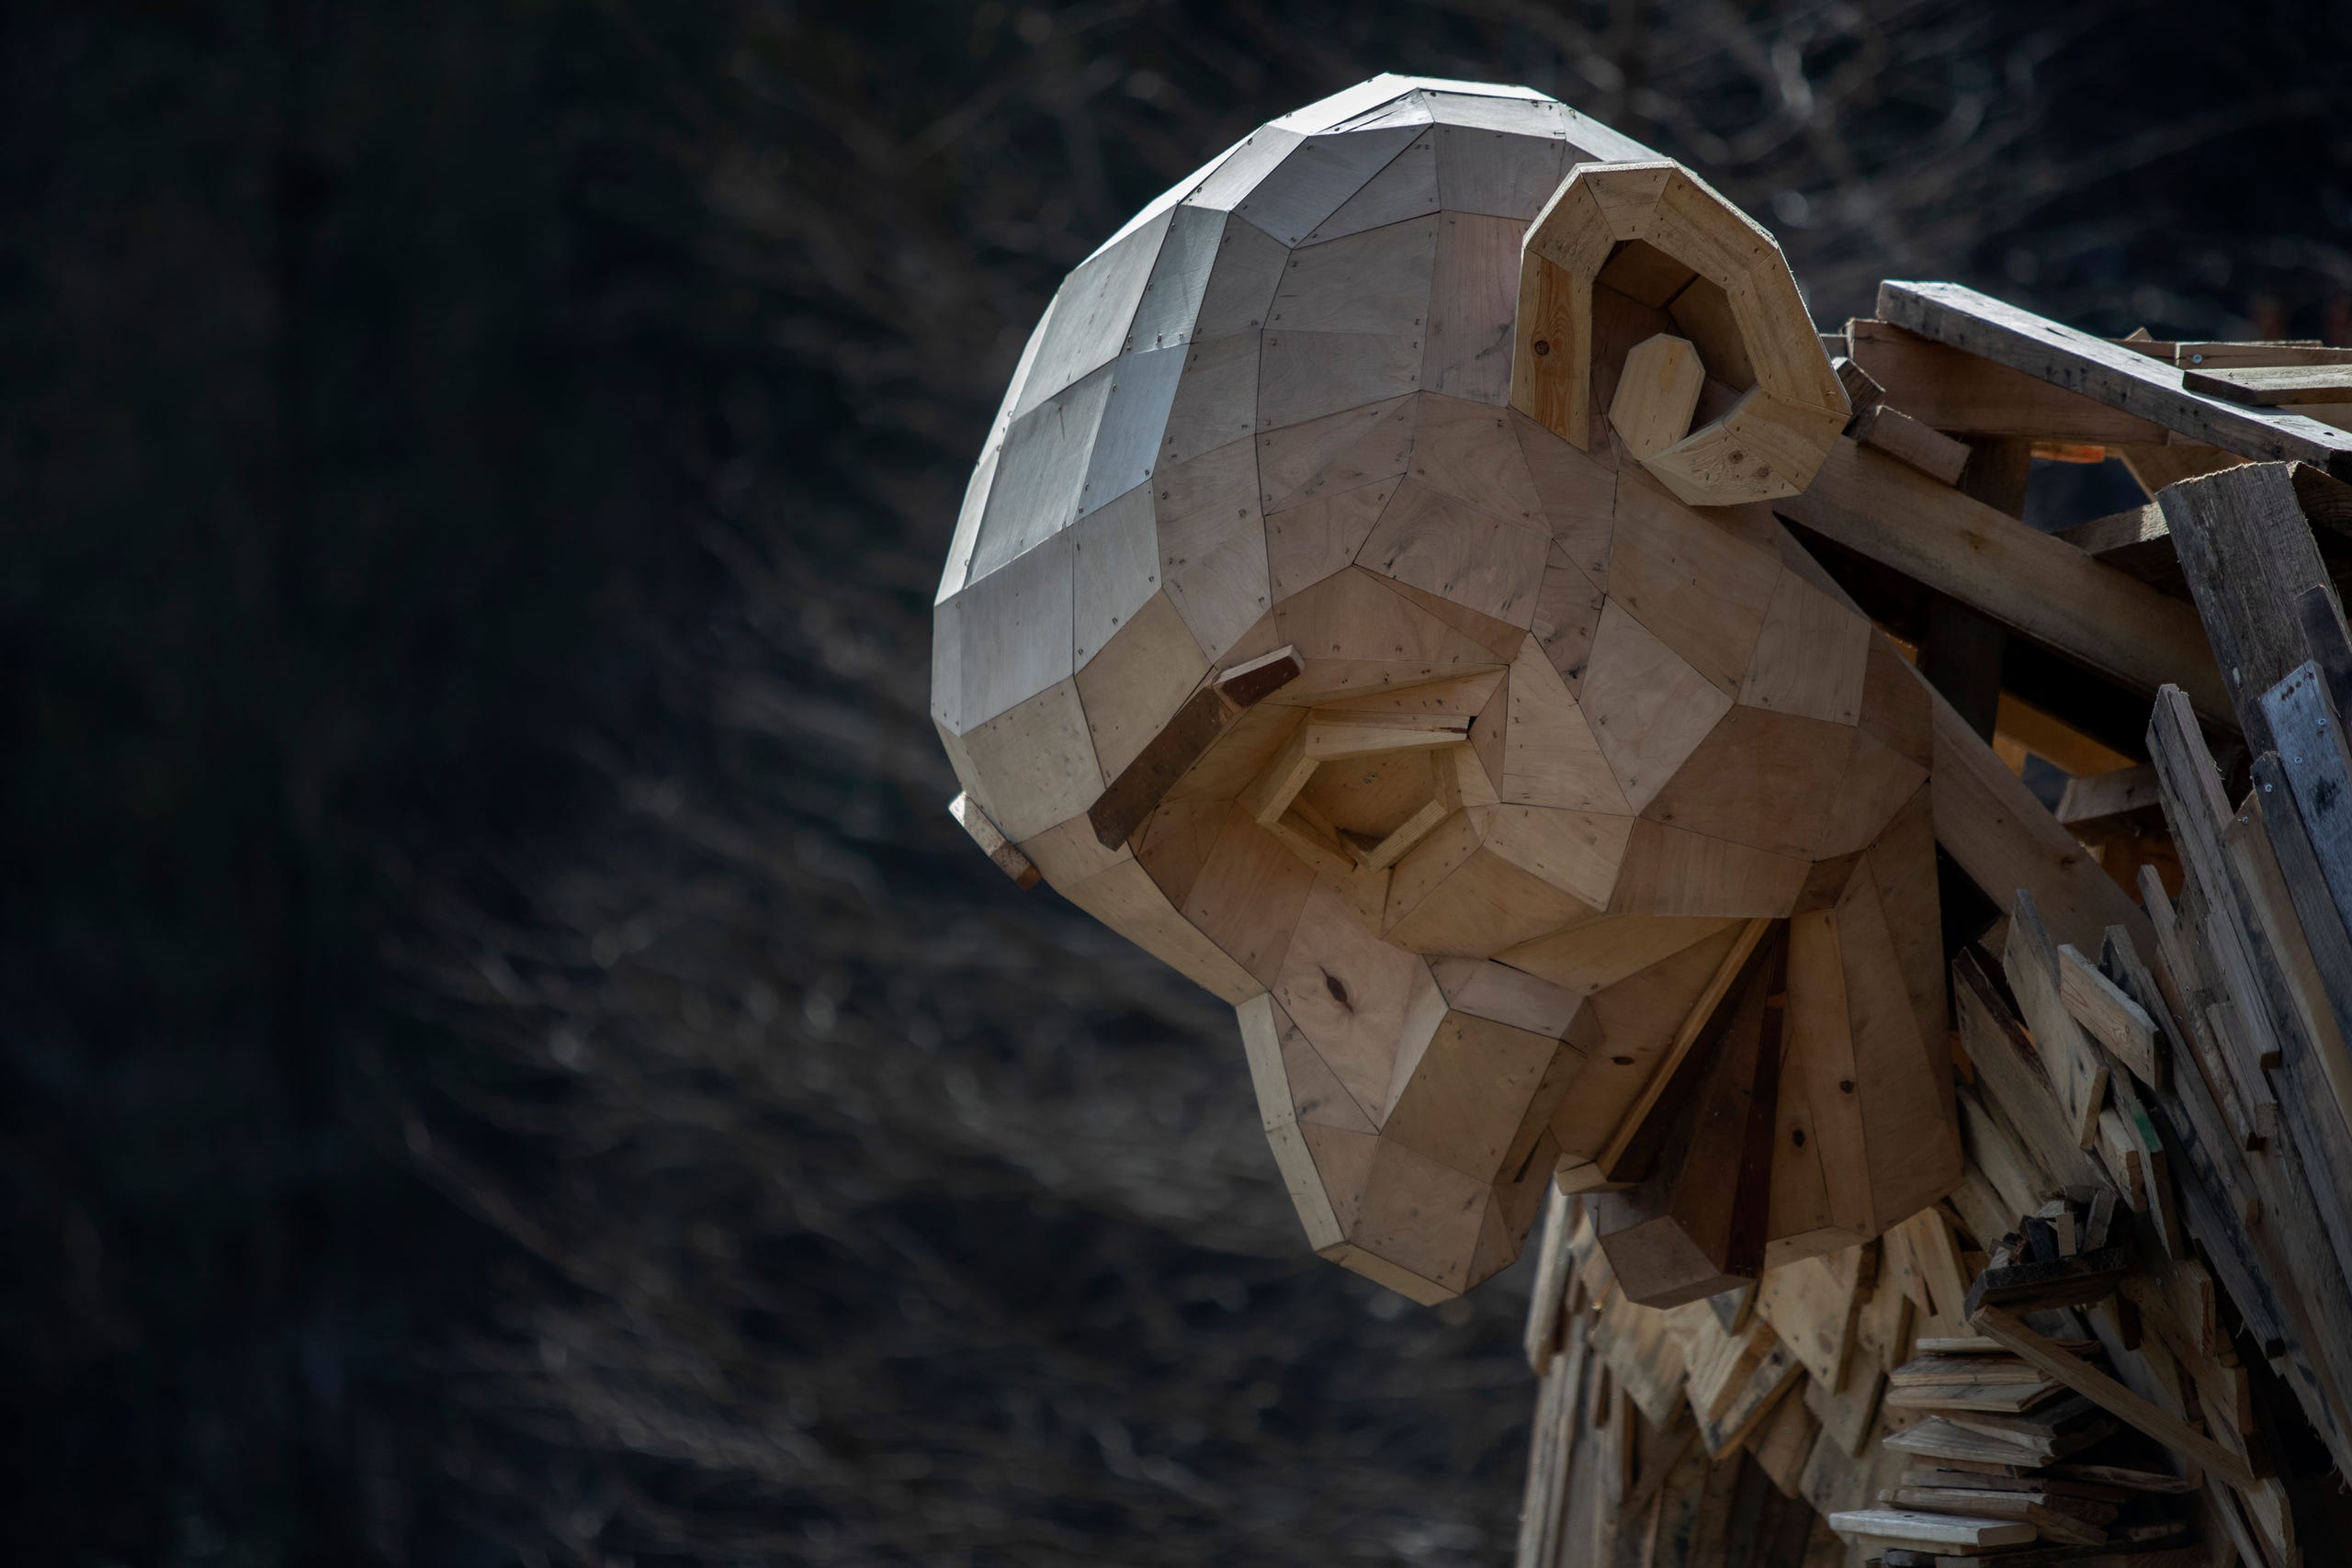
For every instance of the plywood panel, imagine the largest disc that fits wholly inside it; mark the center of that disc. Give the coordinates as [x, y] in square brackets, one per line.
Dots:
[1697, 589]
[1337, 452]
[1091, 313]
[1247, 896]
[1579, 496]
[1124, 899]
[1405, 187]
[1304, 375]
[1600, 952]
[1039, 473]
[1372, 282]
[1133, 686]
[1311, 182]
[1811, 656]
[1352, 994]
[1431, 541]
[1763, 779]
[1128, 441]
[1172, 297]
[1567, 618]
[1639, 1016]
[1650, 709]
[1550, 755]
[1495, 171]
[1005, 638]
[1310, 540]
[1469, 452]
[1241, 284]
[1669, 870]
[1216, 396]
[1473, 307]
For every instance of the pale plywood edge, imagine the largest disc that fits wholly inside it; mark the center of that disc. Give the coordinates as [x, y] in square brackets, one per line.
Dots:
[1002, 853]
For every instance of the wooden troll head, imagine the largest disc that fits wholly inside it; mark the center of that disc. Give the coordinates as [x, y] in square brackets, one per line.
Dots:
[1370, 602]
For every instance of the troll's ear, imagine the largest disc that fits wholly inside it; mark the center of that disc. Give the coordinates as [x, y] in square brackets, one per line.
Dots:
[1660, 233]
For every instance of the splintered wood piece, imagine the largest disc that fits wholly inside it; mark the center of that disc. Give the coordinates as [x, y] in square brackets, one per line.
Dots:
[1936, 1438]
[2077, 1072]
[1922, 445]
[2006, 1398]
[2106, 373]
[2273, 385]
[2118, 1401]
[2107, 1013]
[1967, 1368]
[1931, 1530]
[1001, 851]
[1986, 1502]
[1656, 393]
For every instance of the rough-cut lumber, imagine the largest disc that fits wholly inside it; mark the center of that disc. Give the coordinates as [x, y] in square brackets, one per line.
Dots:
[1930, 1529]
[1916, 443]
[2273, 385]
[2108, 374]
[2038, 586]
[2248, 552]
[2077, 1071]
[2093, 798]
[2110, 1395]
[1955, 390]
[2108, 1014]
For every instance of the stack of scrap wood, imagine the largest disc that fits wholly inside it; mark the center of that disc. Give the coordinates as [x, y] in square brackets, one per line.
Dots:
[2123, 1337]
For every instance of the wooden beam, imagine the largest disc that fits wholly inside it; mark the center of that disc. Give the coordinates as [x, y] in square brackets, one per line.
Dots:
[2039, 587]
[1957, 392]
[2011, 1332]
[2108, 374]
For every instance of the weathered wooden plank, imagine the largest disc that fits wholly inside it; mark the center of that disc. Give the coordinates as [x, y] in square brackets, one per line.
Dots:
[1955, 390]
[2107, 374]
[2249, 553]
[2196, 809]
[2273, 385]
[2308, 733]
[2038, 586]
[2077, 1071]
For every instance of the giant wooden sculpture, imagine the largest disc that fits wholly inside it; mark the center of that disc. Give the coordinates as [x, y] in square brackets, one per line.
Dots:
[1366, 602]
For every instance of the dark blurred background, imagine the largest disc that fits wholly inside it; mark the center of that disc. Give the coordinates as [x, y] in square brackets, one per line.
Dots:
[502, 1057]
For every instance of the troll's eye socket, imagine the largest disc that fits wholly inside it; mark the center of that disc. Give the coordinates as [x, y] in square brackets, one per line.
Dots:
[1354, 791]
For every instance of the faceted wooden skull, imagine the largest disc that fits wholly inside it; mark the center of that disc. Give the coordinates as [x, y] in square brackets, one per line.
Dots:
[1369, 601]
